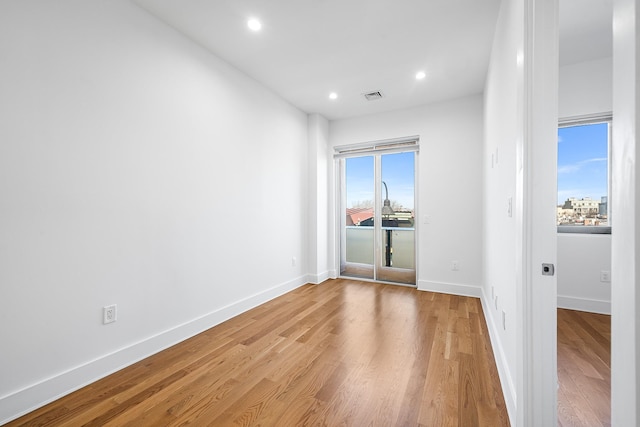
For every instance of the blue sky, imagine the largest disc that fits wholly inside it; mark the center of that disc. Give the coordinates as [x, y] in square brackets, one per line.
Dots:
[398, 171]
[582, 161]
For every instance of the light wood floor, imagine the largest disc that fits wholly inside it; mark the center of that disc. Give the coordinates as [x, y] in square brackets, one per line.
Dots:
[343, 353]
[584, 369]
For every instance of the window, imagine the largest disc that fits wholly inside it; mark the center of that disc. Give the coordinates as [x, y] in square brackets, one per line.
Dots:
[583, 176]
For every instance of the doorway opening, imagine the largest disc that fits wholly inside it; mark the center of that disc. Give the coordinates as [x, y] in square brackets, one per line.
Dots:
[584, 264]
[378, 211]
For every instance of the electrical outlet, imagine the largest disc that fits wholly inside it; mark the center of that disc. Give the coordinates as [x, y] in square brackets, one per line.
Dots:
[109, 314]
[455, 265]
[605, 276]
[504, 320]
[496, 300]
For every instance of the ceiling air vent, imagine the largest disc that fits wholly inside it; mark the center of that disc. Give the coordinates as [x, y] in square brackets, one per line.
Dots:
[372, 96]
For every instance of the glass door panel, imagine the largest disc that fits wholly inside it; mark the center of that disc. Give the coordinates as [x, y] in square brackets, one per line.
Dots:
[397, 233]
[358, 216]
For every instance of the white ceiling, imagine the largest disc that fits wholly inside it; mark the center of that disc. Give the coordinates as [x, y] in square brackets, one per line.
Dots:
[309, 48]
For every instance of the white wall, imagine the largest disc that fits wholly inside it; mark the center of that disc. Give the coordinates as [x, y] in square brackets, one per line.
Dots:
[450, 185]
[585, 89]
[499, 157]
[581, 258]
[135, 169]
[318, 216]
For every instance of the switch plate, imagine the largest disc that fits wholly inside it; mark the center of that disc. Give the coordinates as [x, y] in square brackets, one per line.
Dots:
[605, 276]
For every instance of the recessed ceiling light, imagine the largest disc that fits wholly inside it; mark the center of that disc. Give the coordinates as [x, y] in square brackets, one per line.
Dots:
[333, 95]
[420, 75]
[254, 24]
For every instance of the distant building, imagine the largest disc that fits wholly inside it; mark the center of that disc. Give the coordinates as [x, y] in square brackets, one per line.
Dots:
[585, 211]
[603, 206]
[363, 217]
[585, 207]
[564, 214]
[356, 216]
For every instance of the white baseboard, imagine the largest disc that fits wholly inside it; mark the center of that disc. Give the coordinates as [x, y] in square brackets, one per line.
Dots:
[506, 379]
[450, 288]
[23, 401]
[584, 304]
[318, 278]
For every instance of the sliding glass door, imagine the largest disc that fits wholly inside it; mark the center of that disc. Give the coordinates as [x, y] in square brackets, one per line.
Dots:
[358, 232]
[378, 211]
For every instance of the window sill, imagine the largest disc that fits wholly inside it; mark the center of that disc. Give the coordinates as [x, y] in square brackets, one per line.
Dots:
[582, 229]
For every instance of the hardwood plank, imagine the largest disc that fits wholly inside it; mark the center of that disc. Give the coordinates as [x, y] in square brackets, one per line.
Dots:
[423, 334]
[468, 391]
[341, 353]
[433, 405]
[584, 369]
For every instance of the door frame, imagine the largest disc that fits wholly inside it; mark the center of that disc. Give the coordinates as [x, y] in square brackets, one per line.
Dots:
[625, 199]
[536, 237]
[377, 149]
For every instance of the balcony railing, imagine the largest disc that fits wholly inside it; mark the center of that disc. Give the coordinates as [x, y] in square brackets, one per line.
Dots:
[360, 246]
